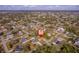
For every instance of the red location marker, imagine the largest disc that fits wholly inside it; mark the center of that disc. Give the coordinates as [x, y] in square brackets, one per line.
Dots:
[40, 32]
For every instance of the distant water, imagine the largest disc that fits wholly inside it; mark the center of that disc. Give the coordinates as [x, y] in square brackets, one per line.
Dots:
[23, 11]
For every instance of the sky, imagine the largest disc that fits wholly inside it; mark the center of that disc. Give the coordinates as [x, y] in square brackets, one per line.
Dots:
[39, 7]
